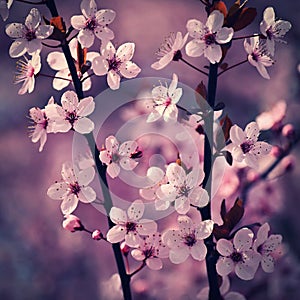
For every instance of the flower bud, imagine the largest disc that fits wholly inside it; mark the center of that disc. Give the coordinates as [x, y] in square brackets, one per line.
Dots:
[72, 223]
[288, 131]
[125, 249]
[276, 151]
[97, 235]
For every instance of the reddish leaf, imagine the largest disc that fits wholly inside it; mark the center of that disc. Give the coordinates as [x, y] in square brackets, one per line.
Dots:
[223, 66]
[201, 95]
[221, 6]
[58, 23]
[245, 18]
[81, 55]
[226, 124]
[223, 210]
[234, 8]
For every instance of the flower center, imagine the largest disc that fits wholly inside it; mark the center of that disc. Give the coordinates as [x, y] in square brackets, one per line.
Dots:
[114, 64]
[184, 191]
[236, 257]
[210, 38]
[167, 45]
[190, 240]
[30, 35]
[246, 146]
[136, 154]
[130, 226]
[149, 252]
[91, 24]
[177, 55]
[44, 123]
[269, 33]
[30, 71]
[168, 102]
[74, 188]
[115, 157]
[71, 117]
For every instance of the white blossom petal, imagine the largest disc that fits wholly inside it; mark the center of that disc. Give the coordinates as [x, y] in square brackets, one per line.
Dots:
[116, 234]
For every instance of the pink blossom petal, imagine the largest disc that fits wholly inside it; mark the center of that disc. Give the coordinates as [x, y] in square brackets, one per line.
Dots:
[213, 53]
[224, 247]
[43, 141]
[88, 8]
[154, 263]
[69, 101]
[237, 135]
[171, 113]
[108, 50]
[261, 148]
[153, 116]
[195, 48]
[237, 154]
[176, 95]
[111, 144]
[84, 125]
[67, 172]
[59, 83]
[125, 51]
[224, 266]
[204, 229]
[252, 131]
[86, 106]
[86, 38]
[148, 193]
[262, 235]
[69, 204]
[104, 33]
[267, 263]
[243, 239]
[100, 66]
[87, 195]
[182, 205]
[215, 21]
[127, 148]
[199, 197]
[33, 19]
[105, 16]
[58, 191]
[86, 176]
[247, 269]
[251, 160]
[56, 60]
[15, 30]
[136, 210]
[185, 224]
[132, 239]
[18, 48]
[44, 31]
[176, 174]
[129, 69]
[234, 296]
[225, 286]
[163, 62]
[224, 35]
[179, 255]
[198, 251]
[34, 46]
[160, 92]
[195, 28]
[155, 174]
[113, 80]
[272, 243]
[87, 83]
[146, 227]
[78, 22]
[113, 170]
[105, 157]
[127, 163]
[116, 234]
[172, 238]
[161, 204]
[138, 254]
[118, 215]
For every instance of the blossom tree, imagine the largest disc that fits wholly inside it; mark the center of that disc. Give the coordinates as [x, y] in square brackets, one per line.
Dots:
[183, 188]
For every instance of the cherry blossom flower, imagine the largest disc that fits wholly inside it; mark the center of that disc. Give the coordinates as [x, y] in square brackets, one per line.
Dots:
[238, 256]
[73, 188]
[151, 249]
[183, 188]
[72, 223]
[117, 156]
[57, 62]
[130, 226]
[208, 37]
[115, 63]
[27, 70]
[272, 118]
[266, 246]
[29, 36]
[42, 124]
[93, 23]
[73, 114]
[258, 55]
[4, 8]
[170, 50]
[273, 29]
[245, 145]
[224, 290]
[188, 240]
[165, 99]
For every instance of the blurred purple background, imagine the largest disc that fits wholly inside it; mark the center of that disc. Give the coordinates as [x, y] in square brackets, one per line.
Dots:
[40, 260]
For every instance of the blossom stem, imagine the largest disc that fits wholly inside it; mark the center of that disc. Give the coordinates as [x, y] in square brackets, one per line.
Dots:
[212, 255]
[85, 78]
[264, 175]
[57, 77]
[125, 278]
[138, 269]
[233, 66]
[51, 46]
[31, 2]
[192, 66]
[246, 36]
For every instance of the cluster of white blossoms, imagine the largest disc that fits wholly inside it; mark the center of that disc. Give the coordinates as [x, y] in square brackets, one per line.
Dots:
[244, 254]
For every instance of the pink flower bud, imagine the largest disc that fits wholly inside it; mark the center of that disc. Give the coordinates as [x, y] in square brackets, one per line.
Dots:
[97, 235]
[276, 151]
[288, 131]
[72, 223]
[125, 249]
[288, 164]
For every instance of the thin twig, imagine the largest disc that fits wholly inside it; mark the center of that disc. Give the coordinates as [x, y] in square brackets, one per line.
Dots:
[192, 66]
[138, 269]
[30, 2]
[233, 66]
[51, 46]
[246, 36]
[54, 77]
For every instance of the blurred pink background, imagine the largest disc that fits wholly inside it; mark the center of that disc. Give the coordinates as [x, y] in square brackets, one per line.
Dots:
[38, 258]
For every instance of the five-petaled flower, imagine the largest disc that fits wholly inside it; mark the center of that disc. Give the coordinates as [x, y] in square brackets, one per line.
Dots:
[42, 124]
[238, 255]
[188, 240]
[151, 249]
[245, 145]
[266, 246]
[208, 37]
[58, 62]
[273, 29]
[170, 50]
[73, 114]
[130, 225]
[93, 23]
[183, 188]
[115, 63]
[29, 36]
[165, 99]
[115, 155]
[258, 55]
[27, 70]
[73, 188]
